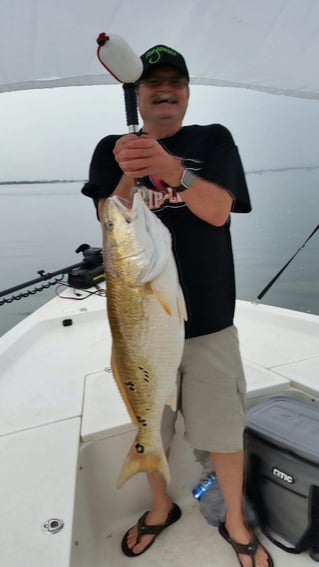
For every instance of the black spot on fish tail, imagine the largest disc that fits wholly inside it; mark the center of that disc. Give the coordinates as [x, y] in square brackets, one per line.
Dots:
[139, 448]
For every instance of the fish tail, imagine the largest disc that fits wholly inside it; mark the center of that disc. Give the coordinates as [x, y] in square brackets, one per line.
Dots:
[154, 460]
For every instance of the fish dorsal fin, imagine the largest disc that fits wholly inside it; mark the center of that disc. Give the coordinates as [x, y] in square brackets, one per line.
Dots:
[160, 297]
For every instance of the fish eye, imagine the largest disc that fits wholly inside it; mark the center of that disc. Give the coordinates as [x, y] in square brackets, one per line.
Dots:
[109, 225]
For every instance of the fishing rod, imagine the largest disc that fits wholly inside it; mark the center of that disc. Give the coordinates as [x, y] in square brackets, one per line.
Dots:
[81, 275]
[275, 278]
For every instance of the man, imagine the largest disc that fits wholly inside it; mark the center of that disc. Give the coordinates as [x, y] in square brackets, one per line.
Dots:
[195, 179]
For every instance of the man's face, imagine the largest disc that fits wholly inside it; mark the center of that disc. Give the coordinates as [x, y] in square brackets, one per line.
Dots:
[163, 96]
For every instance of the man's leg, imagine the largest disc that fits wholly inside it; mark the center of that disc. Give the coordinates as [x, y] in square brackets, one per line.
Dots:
[161, 506]
[229, 468]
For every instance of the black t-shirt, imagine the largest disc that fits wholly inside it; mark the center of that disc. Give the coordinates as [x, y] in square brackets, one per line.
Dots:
[203, 252]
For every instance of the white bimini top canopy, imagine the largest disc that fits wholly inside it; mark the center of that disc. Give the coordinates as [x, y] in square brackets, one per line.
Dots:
[272, 45]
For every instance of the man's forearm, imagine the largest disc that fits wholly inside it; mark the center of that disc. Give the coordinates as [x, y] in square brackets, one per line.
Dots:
[209, 201]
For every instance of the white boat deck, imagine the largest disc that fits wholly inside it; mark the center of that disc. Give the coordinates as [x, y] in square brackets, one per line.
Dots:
[191, 541]
[64, 430]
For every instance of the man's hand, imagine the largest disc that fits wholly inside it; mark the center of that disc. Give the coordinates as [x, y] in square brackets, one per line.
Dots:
[140, 156]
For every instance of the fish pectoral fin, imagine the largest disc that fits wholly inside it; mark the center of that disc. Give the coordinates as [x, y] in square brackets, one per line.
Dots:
[181, 306]
[122, 389]
[161, 298]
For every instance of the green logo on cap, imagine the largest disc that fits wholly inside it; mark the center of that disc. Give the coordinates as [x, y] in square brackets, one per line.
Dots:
[154, 55]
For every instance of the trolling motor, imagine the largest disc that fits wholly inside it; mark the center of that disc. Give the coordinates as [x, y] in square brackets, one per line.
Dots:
[90, 271]
[87, 273]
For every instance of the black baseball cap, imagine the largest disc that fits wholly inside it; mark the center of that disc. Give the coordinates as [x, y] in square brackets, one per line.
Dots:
[160, 55]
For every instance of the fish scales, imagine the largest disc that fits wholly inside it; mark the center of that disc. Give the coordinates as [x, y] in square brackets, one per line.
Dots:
[146, 312]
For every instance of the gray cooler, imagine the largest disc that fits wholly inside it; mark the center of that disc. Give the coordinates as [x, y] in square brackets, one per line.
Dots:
[282, 477]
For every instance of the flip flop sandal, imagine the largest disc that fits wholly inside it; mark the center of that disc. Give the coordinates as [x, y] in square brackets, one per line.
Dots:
[143, 529]
[248, 549]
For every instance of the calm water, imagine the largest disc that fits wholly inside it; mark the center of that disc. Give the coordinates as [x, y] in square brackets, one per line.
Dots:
[43, 224]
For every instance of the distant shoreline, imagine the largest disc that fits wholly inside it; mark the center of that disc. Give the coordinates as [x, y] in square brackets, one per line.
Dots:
[42, 181]
[247, 172]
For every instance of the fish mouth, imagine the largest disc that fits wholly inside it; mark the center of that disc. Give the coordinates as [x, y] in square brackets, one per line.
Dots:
[125, 207]
[128, 211]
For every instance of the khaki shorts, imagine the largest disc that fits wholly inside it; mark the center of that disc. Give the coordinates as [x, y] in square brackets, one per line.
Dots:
[212, 392]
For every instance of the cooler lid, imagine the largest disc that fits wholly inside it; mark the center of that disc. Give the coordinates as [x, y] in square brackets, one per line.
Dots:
[289, 423]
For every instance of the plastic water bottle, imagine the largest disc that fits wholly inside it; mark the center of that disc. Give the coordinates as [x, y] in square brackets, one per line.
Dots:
[204, 484]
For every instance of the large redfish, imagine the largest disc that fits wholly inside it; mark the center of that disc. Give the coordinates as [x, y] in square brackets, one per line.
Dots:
[146, 312]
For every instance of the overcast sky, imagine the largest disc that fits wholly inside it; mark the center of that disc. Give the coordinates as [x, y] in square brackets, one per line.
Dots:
[51, 133]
